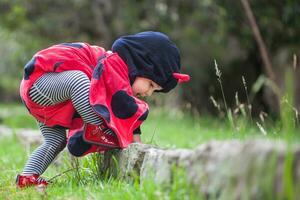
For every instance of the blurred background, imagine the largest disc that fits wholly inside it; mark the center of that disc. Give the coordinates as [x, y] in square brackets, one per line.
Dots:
[243, 57]
[256, 68]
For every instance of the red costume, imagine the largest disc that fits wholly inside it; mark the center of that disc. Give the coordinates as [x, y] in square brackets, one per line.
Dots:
[111, 95]
[147, 54]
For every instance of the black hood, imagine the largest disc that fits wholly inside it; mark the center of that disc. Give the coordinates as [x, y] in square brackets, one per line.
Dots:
[151, 55]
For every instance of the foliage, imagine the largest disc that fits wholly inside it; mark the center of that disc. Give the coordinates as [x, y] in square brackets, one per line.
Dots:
[204, 30]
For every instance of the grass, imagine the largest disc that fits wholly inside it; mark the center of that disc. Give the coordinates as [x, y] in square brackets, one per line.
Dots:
[16, 116]
[67, 186]
[13, 156]
[169, 129]
[163, 128]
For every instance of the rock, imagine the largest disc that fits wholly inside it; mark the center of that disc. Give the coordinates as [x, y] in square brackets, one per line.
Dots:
[5, 131]
[126, 164]
[158, 164]
[230, 169]
[207, 161]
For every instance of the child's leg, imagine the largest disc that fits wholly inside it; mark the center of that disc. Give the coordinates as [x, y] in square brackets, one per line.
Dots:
[53, 88]
[54, 143]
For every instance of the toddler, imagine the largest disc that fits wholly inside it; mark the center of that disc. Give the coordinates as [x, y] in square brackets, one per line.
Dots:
[94, 94]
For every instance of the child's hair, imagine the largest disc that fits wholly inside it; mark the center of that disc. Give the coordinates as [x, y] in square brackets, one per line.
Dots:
[151, 55]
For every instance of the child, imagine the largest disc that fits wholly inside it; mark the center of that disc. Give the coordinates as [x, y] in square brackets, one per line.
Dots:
[94, 93]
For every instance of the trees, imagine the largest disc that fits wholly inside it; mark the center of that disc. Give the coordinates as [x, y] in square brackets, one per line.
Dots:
[204, 31]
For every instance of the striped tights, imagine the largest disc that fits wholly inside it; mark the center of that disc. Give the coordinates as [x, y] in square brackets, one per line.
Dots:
[50, 89]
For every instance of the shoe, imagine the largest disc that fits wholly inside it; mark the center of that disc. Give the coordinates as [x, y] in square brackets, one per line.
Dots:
[100, 135]
[30, 180]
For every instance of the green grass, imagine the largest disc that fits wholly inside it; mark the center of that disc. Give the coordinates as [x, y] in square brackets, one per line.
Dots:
[180, 130]
[169, 129]
[162, 128]
[16, 116]
[67, 186]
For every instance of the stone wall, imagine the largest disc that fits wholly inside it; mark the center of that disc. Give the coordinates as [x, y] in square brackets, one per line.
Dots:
[259, 169]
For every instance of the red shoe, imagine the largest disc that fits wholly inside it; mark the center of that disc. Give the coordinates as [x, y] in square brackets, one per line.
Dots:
[97, 135]
[30, 180]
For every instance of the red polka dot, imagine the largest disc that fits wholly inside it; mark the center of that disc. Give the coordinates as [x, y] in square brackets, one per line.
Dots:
[103, 111]
[76, 45]
[29, 68]
[123, 105]
[98, 71]
[56, 65]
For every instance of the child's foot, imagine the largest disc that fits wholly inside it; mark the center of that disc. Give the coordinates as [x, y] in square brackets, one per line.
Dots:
[30, 180]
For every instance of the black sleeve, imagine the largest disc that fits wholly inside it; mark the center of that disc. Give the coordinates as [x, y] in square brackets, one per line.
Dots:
[137, 131]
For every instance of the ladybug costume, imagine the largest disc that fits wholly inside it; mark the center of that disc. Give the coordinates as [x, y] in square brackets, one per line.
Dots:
[147, 54]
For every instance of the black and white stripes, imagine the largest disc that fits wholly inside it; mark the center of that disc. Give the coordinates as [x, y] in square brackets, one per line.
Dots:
[54, 88]
[54, 142]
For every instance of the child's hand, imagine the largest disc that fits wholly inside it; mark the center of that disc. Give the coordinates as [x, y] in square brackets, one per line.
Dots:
[137, 138]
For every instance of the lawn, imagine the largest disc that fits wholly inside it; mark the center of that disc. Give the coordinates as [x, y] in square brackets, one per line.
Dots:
[163, 128]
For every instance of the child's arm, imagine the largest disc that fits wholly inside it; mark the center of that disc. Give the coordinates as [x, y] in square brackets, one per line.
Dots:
[137, 135]
[137, 138]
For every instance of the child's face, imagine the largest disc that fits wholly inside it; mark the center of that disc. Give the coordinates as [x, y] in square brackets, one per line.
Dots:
[143, 87]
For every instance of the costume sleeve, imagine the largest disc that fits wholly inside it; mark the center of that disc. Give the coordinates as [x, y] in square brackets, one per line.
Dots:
[137, 131]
